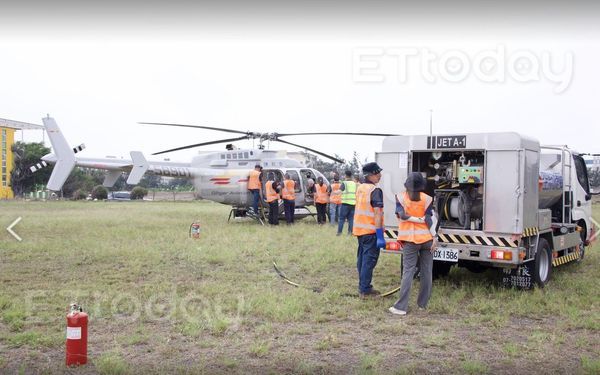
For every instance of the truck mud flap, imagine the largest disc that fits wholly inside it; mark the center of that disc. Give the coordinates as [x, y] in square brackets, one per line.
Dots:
[519, 278]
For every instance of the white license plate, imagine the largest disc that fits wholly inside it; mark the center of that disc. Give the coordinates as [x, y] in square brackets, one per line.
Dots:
[446, 254]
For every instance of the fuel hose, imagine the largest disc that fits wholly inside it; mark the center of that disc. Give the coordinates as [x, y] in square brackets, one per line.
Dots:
[287, 280]
[316, 289]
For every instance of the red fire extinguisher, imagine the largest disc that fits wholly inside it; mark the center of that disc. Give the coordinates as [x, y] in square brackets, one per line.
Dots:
[77, 326]
[195, 230]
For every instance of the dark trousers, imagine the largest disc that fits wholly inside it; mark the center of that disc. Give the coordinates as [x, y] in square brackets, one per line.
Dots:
[321, 213]
[334, 213]
[288, 208]
[366, 260]
[346, 213]
[274, 212]
[255, 198]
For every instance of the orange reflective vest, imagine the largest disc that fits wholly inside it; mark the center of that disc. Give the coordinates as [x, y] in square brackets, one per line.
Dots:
[364, 214]
[254, 180]
[414, 232]
[272, 194]
[321, 195]
[336, 193]
[288, 190]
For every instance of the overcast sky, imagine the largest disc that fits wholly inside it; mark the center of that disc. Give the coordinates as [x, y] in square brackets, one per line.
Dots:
[362, 67]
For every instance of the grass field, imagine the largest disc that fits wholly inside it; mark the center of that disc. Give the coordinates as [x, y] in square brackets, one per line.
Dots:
[162, 302]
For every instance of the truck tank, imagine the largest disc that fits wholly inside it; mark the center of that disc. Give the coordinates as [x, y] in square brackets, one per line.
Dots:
[551, 188]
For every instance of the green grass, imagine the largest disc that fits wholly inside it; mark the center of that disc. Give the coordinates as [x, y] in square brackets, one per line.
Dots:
[32, 339]
[260, 349]
[14, 318]
[161, 297]
[590, 366]
[511, 349]
[111, 364]
[369, 363]
[474, 367]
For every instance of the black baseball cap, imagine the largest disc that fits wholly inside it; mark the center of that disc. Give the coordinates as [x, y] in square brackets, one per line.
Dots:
[371, 169]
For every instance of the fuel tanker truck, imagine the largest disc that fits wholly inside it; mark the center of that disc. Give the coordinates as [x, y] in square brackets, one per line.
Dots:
[502, 201]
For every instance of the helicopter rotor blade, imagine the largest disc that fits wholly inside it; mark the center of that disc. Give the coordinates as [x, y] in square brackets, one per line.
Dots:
[202, 144]
[338, 133]
[195, 126]
[312, 150]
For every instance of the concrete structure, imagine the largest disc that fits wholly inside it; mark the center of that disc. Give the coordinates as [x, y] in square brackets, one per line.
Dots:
[7, 139]
[593, 163]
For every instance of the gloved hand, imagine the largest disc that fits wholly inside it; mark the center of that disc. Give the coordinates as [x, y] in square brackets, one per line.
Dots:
[380, 239]
[414, 219]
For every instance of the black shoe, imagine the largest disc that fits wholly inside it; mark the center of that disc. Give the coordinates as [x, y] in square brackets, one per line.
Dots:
[373, 293]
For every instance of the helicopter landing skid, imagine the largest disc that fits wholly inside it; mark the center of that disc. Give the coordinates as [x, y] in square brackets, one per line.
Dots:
[242, 213]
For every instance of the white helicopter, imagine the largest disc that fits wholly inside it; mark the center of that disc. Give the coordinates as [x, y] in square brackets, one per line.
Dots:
[219, 176]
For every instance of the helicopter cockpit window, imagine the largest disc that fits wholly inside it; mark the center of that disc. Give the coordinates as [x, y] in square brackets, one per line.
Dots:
[294, 176]
[305, 174]
[319, 174]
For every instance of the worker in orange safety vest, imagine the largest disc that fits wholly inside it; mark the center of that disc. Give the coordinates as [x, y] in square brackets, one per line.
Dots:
[321, 200]
[254, 186]
[272, 190]
[335, 199]
[288, 194]
[368, 228]
[417, 231]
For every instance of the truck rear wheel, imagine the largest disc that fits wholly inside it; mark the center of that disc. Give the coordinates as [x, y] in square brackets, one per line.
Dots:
[475, 267]
[543, 263]
[440, 269]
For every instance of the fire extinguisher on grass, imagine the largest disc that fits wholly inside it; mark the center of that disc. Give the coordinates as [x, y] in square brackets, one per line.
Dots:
[195, 230]
[77, 327]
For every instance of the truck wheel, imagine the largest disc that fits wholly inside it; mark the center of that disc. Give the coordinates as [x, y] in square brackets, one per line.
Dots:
[581, 251]
[583, 234]
[440, 269]
[543, 263]
[475, 267]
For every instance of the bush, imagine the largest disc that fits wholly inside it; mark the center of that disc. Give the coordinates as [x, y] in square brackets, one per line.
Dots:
[138, 192]
[99, 192]
[80, 194]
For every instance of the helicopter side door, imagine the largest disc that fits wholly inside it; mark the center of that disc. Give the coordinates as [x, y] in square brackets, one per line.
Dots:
[305, 175]
[265, 177]
[299, 188]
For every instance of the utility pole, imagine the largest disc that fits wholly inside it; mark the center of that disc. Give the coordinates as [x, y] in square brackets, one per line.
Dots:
[431, 122]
